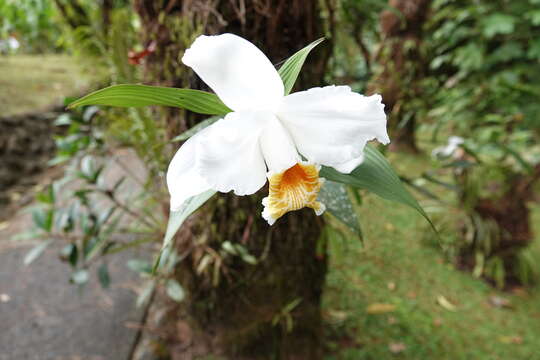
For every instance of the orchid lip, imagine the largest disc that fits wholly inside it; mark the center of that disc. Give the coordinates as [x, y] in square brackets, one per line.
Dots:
[293, 189]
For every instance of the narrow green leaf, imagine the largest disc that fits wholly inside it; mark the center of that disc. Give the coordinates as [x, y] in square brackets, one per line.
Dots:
[526, 166]
[176, 219]
[146, 293]
[70, 253]
[195, 129]
[140, 266]
[128, 95]
[291, 68]
[376, 175]
[338, 203]
[43, 218]
[36, 252]
[104, 276]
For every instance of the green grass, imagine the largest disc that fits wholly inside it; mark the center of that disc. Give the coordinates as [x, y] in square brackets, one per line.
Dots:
[397, 266]
[30, 83]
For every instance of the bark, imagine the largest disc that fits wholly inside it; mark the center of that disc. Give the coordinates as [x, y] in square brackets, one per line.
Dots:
[402, 67]
[106, 10]
[236, 309]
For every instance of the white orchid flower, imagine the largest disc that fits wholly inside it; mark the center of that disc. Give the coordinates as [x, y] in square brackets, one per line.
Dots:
[454, 142]
[269, 134]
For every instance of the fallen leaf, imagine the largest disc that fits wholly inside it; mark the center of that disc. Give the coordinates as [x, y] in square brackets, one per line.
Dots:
[411, 295]
[437, 322]
[3, 225]
[379, 308]
[511, 339]
[519, 291]
[499, 302]
[336, 315]
[442, 301]
[396, 348]
[391, 286]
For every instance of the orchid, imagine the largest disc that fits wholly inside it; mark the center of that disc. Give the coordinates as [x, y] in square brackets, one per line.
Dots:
[268, 135]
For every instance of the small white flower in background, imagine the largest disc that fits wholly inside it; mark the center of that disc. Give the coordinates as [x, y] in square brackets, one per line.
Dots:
[445, 151]
[11, 44]
[268, 134]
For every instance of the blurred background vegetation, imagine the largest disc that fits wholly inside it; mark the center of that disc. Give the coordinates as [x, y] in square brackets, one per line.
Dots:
[461, 83]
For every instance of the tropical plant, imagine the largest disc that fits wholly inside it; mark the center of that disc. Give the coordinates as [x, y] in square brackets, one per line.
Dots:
[484, 86]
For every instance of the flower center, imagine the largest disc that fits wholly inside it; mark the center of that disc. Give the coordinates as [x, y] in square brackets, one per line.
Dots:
[293, 189]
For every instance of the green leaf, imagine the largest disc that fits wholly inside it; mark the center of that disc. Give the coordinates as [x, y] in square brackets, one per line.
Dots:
[103, 276]
[70, 253]
[338, 203]
[140, 266]
[290, 70]
[80, 277]
[377, 176]
[526, 166]
[36, 252]
[146, 294]
[175, 290]
[195, 129]
[43, 218]
[498, 24]
[127, 95]
[176, 219]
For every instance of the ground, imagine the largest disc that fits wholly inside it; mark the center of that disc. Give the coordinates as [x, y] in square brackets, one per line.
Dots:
[390, 296]
[44, 316]
[29, 83]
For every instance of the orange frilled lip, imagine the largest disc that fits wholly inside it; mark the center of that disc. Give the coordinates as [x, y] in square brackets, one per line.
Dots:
[293, 189]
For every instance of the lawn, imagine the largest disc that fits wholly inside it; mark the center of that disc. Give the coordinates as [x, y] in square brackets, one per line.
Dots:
[30, 83]
[397, 297]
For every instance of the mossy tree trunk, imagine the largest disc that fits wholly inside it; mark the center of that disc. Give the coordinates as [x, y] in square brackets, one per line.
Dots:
[236, 309]
[401, 68]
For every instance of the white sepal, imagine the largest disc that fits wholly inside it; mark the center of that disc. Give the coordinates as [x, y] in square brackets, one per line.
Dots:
[239, 73]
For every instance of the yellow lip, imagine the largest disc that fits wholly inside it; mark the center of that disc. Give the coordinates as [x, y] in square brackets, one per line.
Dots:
[293, 189]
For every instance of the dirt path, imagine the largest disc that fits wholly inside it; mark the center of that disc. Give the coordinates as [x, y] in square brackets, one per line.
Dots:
[45, 317]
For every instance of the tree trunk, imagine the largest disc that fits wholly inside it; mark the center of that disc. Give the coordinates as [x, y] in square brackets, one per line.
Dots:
[235, 309]
[402, 68]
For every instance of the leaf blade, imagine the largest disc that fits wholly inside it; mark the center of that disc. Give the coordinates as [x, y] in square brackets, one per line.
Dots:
[338, 203]
[134, 95]
[176, 219]
[290, 70]
[377, 176]
[36, 252]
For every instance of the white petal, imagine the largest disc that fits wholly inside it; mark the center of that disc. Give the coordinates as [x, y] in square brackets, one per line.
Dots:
[331, 125]
[277, 146]
[229, 156]
[350, 165]
[239, 73]
[183, 180]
